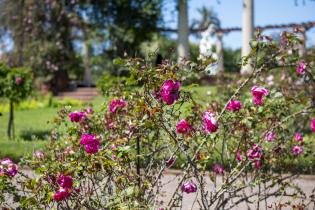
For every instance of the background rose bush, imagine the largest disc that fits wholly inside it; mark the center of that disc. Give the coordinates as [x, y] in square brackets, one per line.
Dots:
[114, 158]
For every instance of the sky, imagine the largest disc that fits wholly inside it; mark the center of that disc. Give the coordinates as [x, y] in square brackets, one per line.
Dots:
[230, 14]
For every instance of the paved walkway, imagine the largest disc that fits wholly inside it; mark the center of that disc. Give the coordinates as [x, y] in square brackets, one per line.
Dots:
[190, 201]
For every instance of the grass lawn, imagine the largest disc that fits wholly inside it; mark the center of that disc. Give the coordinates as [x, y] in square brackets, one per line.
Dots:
[32, 128]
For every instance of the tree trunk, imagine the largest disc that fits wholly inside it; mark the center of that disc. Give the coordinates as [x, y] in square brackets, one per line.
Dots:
[247, 32]
[183, 30]
[10, 131]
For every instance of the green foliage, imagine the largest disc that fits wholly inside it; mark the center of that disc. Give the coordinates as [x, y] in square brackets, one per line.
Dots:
[16, 83]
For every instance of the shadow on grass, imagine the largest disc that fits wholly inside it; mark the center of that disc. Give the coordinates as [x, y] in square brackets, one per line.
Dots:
[32, 135]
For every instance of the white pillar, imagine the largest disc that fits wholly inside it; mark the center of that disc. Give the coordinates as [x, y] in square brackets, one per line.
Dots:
[302, 46]
[183, 30]
[219, 52]
[86, 60]
[247, 31]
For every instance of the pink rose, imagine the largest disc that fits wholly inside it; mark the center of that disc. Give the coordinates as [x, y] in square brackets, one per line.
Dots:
[18, 80]
[89, 110]
[8, 167]
[209, 122]
[183, 127]
[257, 164]
[90, 143]
[258, 93]
[301, 67]
[218, 169]
[296, 150]
[77, 116]
[255, 152]
[65, 181]
[38, 154]
[169, 91]
[298, 137]
[189, 187]
[62, 194]
[313, 125]
[238, 156]
[115, 104]
[234, 105]
[270, 136]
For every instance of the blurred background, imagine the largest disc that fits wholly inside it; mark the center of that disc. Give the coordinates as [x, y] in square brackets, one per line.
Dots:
[69, 47]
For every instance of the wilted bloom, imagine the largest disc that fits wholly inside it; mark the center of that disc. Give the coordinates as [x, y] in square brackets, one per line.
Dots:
[238, 156]
[313, 125]
[65, 181]
[296, 150]
[38, 154]
[90, 143]
[258, 93]
[209, 122]
[170, 161]
[169, 91]
[76, 116]
[255, 152]
[234, 105]
[18, 80]
[89, 110]
[8, 167]
[218, 169]
[270, 136]
[189, 187]
[183, 127]
[301, 67]
[62, 194]
[298, 137]
[115, 104]
[257, 164]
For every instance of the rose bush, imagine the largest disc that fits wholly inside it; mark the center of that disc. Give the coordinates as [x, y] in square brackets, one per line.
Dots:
[115, 158]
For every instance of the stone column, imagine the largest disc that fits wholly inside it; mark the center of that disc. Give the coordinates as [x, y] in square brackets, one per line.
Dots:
[247, 31]
[302, 46]
[219, 51]
[183, 30]
[86, 51]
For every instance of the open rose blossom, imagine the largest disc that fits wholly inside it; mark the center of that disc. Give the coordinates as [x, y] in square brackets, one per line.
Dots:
[169, 91]
[183, 127]
[296, 150]
[62, 194]
[218, 169]
[270, 136]
[313, 125]
[8, 168]
[209, 122]
[189, 187]
[38, 154]
[234, 105]
[90, 143]
[115, 104]
[65, 181]
[301, 67]
[255, 152]
[77, 116]
[258, 93]
[298, 137]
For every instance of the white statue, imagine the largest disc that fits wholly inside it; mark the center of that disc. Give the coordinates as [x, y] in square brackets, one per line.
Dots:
[207, 43]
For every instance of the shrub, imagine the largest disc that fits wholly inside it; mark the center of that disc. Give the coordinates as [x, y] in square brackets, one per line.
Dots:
[115, 158]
